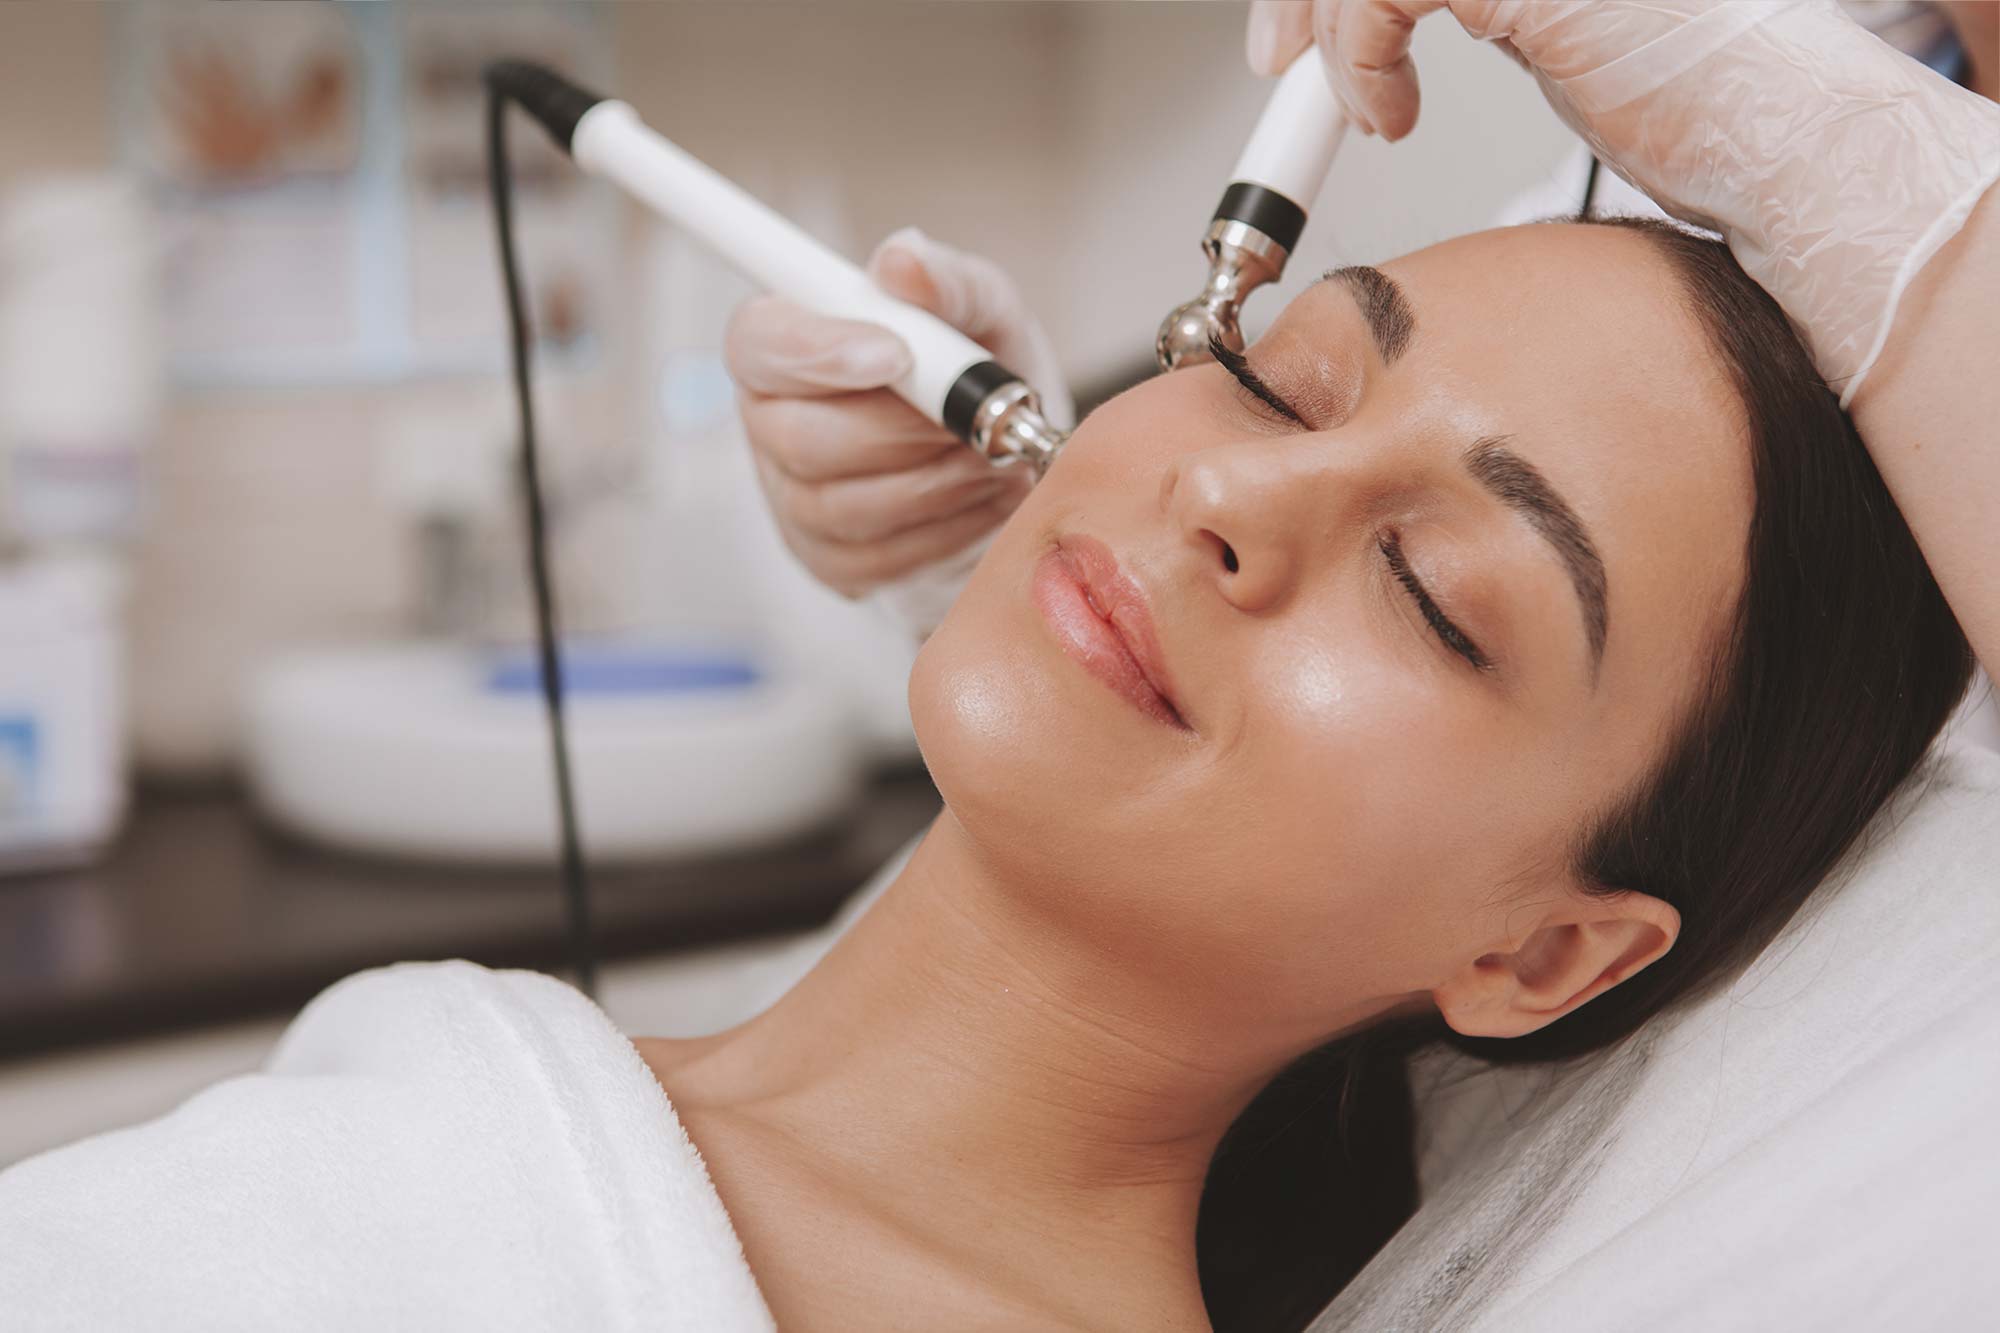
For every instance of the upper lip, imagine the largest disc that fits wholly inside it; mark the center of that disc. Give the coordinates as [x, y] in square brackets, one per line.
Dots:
[1122, 603]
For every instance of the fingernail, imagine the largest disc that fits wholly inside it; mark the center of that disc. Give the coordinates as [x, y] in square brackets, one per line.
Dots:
[872, 360]
[1262, 41]
[910, 240]
[1345, 93]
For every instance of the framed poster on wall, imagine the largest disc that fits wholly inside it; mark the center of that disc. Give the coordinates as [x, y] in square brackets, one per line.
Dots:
[319, 174]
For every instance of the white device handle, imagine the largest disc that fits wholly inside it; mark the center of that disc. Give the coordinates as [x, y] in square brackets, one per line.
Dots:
[1296, 136]
[611, 141]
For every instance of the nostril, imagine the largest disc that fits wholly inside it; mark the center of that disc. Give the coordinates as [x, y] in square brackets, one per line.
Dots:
[1228, 551]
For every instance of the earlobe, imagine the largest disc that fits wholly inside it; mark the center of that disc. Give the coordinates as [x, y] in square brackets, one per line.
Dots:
[1576, 951]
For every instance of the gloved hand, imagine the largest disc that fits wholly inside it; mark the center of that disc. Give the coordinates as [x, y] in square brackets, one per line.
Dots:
[1835, 165]
[866, 491]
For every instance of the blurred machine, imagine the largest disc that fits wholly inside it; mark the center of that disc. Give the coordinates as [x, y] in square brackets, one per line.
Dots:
[80, 389]
[440, 751]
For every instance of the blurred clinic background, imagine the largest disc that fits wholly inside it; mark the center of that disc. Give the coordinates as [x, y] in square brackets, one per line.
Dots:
[266, 716]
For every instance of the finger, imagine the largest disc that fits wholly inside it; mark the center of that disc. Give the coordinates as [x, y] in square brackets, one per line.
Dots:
[966, 291]
[1371, 58]
[855, 570]
[1326, 40]
[975, 296]
[775, 347]
[1279, 31]
[899, 270]
[845, 435]
[858, 510]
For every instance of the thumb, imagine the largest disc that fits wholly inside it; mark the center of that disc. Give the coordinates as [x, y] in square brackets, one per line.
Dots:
[969, 293]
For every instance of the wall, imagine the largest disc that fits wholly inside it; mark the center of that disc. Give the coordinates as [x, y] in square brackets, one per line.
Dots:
[54, 108]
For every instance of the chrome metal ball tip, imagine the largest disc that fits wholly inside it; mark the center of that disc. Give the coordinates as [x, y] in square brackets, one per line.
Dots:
[1185, 333]
[1240, 260]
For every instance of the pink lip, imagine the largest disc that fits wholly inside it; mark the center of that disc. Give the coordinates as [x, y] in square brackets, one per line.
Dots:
[1100, 618]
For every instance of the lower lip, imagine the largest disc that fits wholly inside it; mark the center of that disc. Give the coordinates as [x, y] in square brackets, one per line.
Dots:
[1089, 638]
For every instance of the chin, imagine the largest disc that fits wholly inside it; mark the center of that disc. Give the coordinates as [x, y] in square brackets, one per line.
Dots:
[1029, 771]
[1012, 750]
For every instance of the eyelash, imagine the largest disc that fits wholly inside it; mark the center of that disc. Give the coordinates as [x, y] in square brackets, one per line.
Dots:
[1234, 362]
[1391, 546]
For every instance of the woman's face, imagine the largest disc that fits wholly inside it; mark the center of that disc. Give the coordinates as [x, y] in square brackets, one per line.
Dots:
[1408, 644]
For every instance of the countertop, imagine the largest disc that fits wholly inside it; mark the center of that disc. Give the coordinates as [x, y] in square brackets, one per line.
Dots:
[202, 914]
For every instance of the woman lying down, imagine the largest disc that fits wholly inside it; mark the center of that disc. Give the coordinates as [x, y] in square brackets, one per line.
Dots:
[1499, 653]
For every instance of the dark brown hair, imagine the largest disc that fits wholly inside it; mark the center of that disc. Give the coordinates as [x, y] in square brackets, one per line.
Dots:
[1839, 665]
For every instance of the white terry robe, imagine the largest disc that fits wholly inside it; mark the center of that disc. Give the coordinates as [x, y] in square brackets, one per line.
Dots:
[431, 1146]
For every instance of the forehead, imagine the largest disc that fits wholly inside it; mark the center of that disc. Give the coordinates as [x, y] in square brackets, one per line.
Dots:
[1579, 343]
[1569, 321]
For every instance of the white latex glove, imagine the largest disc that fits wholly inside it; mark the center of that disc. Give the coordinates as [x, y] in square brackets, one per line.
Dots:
[869, 495]
[1835, 165]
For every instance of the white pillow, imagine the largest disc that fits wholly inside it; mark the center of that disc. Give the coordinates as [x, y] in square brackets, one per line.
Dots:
[1815, 1146]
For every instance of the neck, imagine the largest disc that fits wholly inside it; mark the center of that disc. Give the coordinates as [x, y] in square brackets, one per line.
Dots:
[964, 1071]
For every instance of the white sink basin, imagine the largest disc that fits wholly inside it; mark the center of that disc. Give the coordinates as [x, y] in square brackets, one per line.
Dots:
[441, 752]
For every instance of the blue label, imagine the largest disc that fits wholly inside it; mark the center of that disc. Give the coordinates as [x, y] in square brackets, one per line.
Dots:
[19, 752]
[624, 670]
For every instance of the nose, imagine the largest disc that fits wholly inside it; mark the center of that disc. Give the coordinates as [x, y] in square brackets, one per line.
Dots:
[1249, 512]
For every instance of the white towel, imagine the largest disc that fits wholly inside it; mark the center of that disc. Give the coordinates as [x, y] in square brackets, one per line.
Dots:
[432, 1146]
[1813, 1146]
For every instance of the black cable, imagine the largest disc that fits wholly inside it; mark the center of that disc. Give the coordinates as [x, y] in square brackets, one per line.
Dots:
[575, 875]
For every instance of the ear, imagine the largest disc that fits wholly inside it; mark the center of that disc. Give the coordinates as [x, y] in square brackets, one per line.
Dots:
[1575, 949]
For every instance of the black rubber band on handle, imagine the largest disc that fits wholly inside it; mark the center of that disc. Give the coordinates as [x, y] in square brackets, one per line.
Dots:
[1265, 209]
[974, 385]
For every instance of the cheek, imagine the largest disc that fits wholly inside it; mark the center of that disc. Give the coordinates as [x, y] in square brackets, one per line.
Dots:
[975, 719]
[1124, 446]
[1386, 812]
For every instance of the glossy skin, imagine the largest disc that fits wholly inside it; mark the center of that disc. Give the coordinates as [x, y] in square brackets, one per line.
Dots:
[994, 1103]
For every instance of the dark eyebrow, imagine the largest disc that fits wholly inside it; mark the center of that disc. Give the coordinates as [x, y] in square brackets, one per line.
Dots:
[1383, 305]
[1515, 483]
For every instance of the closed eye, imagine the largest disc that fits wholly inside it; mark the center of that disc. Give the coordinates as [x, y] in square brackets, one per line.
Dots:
[1454, 638]
[1232, 361]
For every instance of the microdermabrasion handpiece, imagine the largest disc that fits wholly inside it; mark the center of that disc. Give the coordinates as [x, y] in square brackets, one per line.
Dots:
[953, 380]
[1261, 213]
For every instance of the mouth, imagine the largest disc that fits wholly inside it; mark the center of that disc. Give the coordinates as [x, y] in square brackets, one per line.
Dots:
[1101, 620]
